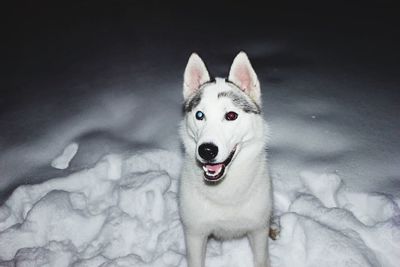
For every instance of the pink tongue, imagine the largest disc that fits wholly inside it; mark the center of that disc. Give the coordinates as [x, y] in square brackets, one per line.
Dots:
[214, 168]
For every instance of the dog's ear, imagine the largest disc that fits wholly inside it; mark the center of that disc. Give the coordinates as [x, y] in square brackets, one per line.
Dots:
[244, 76]
[195, 75]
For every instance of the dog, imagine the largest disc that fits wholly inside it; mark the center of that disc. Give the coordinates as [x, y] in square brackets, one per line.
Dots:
[225, 188]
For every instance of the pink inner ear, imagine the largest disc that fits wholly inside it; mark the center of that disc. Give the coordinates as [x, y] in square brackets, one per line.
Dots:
[243, 77]
[196, 77]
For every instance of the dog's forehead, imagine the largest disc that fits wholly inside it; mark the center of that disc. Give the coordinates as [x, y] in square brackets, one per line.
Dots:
[223, 90]
[220, 91]
[215, 88]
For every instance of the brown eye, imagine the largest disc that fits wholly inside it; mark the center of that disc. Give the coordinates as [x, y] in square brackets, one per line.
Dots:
[231, 116]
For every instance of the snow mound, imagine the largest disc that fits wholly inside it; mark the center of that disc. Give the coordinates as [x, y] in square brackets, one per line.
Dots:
[63, 160]
[123, 212]
[326, 225]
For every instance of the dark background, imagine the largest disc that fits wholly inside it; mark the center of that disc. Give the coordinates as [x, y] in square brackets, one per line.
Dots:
[60, 41]
[45, 44]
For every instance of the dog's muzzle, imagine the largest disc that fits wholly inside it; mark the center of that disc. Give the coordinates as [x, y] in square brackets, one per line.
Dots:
[214, 172]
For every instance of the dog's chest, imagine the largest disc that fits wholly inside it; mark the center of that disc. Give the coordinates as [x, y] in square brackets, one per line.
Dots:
[229, 209]
[237, 218]
[228, 223]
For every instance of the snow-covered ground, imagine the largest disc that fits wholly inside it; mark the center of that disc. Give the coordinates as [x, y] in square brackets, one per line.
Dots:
[90, 154]
[123, 212]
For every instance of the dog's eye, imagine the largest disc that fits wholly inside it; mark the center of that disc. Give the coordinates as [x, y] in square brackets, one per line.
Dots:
[231, 116]
[199, 115]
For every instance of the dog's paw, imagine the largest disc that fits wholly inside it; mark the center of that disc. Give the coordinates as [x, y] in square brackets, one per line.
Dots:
[274, 233]
[274, 228]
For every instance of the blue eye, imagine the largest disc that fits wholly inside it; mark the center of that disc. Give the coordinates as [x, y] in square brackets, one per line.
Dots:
[199, 115]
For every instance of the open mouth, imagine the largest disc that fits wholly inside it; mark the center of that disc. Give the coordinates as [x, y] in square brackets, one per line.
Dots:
[214, 172]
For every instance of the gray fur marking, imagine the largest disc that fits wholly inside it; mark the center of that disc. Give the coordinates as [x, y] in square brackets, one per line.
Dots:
[191, 103]
[241, 102]
[238, 99]
[194, 101]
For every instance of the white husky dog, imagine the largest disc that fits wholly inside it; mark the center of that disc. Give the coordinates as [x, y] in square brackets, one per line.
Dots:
[225, 189]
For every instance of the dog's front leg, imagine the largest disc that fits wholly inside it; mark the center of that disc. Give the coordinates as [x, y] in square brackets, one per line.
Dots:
[195, 249]
[259, 245]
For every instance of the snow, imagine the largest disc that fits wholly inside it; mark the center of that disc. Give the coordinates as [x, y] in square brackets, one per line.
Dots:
[90, 154]
[122, 206]
[63, 160]
[123, 212]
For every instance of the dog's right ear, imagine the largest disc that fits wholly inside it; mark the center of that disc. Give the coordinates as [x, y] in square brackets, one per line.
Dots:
[195, 75]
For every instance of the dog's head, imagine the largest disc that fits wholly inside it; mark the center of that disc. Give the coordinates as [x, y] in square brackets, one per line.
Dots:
[221, 115]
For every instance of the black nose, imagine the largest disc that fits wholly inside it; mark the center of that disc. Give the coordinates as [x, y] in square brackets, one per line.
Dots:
[208, 151]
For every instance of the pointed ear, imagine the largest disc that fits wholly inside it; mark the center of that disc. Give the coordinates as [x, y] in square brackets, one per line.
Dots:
[244, 76]
[195, 75]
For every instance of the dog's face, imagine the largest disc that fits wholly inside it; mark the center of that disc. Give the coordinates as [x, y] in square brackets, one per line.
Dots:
[221, 114]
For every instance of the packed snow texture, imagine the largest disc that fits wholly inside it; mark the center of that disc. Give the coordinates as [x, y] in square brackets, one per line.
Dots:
[123, 212]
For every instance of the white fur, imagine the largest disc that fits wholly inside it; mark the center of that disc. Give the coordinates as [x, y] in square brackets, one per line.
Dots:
[241, 204]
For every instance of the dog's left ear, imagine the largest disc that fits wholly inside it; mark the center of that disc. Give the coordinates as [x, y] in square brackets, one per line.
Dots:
[244, 76]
